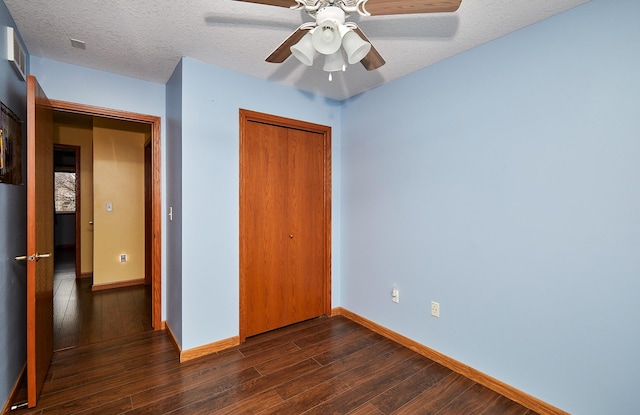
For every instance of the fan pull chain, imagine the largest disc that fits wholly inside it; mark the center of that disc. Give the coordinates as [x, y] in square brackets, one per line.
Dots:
[344, 69]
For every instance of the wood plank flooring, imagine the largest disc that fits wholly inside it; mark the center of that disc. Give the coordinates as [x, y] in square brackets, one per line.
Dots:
[322, 366]
[83, 317]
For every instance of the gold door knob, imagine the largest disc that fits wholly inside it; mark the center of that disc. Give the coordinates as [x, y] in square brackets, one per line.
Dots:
[25, 258]
[40, 256]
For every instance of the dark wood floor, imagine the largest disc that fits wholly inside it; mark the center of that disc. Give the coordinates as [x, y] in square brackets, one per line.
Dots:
[83, 317]
[322, 366]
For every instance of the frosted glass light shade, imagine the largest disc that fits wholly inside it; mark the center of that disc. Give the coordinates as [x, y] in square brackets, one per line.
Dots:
[304, 50]
[334, 62]
[326, 38]
[355, 47]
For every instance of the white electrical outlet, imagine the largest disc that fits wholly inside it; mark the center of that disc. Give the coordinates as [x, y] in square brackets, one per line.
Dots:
[395, 295]
[123, 257]
[435, 309]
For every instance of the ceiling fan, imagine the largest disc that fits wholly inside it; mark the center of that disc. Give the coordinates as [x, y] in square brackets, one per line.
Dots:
[335, 38]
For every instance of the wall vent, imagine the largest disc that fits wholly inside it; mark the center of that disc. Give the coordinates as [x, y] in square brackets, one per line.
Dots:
[15, 53]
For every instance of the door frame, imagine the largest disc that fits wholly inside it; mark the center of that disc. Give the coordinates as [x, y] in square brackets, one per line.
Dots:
[148, 200]
[156, 204]
[247, 116]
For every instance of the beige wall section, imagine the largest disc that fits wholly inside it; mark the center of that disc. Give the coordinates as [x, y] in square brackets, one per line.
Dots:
[81, 134]
[118, 168]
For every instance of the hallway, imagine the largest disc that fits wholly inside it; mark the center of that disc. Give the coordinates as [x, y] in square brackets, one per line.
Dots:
[81, 316]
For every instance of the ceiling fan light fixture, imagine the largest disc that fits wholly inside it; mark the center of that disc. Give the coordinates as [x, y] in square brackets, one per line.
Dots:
[304, 50]
[355, 47]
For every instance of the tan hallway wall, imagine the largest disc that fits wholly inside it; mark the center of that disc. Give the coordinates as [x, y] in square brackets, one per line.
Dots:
[118, 163]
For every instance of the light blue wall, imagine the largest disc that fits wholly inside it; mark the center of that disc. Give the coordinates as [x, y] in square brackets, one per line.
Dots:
[72, 83]
[503, 183]
[173, 234]
[12, 235]
[500, 182]
[212, 98]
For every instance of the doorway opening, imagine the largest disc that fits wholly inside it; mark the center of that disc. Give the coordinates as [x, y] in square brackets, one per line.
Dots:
[66, 169]
[82, 313]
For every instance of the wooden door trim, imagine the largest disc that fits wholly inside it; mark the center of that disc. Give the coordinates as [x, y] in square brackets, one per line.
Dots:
[148, 239]
[247, 116]
[78, 225]
[156, 205]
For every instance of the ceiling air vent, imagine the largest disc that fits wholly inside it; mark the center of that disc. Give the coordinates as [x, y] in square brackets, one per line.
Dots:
[15, 53]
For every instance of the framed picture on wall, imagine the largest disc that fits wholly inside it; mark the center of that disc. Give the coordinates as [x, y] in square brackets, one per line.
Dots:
[1, 150]
[10, 147]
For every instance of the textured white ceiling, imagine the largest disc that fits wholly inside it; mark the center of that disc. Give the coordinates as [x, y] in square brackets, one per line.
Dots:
[145, 38]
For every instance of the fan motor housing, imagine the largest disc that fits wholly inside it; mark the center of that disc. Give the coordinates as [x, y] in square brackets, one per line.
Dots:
[330, 13]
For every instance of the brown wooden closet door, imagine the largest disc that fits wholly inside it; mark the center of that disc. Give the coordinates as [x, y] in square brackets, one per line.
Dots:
[264, 229]
[305, 266]
[283, 226]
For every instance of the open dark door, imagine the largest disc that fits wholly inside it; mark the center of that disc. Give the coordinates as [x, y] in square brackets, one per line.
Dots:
[39, 238]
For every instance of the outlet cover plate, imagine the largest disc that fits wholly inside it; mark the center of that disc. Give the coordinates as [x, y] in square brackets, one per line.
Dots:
[435, 309]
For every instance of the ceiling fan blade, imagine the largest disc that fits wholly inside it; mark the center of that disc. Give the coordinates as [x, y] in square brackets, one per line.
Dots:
[387, 7]
[279, 3]
[373, 59]
[282, 52]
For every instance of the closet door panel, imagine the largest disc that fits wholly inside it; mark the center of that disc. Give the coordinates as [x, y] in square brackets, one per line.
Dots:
[307, 224]
[265, 231]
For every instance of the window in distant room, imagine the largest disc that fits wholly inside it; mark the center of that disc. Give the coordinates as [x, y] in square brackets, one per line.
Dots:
[65, 192]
